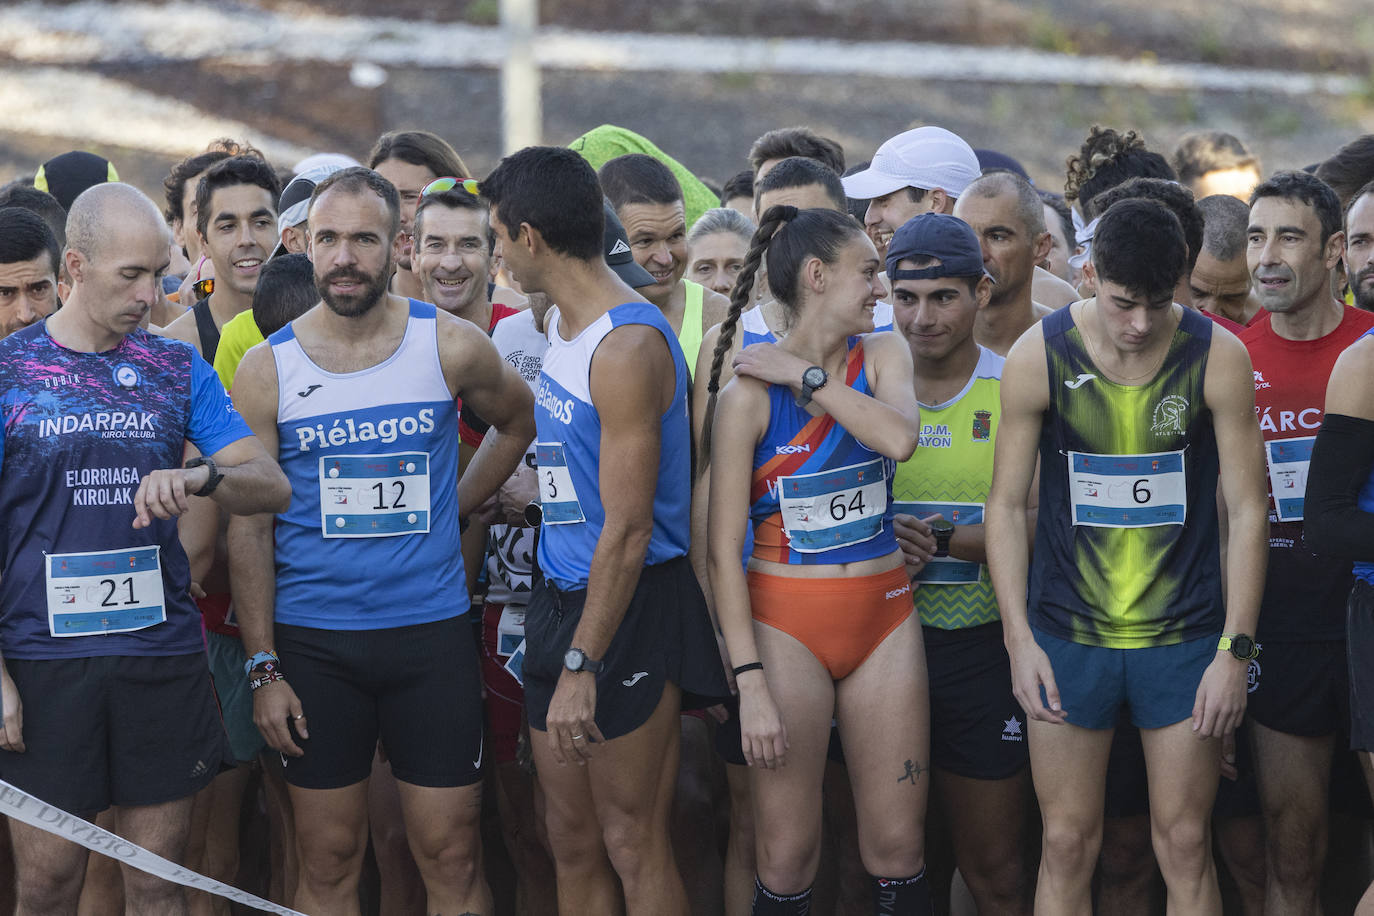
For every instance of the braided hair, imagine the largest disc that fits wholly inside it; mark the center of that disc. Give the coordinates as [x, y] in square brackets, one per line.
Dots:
[1107, 159]
[788, 237]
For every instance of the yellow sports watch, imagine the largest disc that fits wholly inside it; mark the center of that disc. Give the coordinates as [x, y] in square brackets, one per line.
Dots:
[1239, 644]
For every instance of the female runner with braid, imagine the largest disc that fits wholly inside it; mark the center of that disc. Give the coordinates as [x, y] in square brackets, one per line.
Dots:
[802, 444]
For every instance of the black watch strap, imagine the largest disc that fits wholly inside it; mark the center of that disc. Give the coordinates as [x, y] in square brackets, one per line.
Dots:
[214, 478]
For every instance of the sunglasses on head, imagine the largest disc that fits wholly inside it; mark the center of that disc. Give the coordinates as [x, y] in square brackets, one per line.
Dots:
[440, 185]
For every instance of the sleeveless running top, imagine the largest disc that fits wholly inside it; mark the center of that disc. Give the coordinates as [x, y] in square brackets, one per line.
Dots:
[1126, 544]
[755, 330]
[819, 496]
[689, 338]
[568, 451]
[371, 538]
[951, 473]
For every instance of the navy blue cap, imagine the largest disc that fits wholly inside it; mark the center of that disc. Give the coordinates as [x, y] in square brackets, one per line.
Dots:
[936, 235]
[991, 159]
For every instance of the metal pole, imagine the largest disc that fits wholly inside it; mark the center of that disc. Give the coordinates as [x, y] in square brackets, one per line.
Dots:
[522, 117]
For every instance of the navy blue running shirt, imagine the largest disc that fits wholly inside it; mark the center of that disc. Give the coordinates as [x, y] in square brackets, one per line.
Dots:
[81, 431]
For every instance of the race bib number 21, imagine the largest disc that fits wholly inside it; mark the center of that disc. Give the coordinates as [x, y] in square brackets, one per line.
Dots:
[107, 591]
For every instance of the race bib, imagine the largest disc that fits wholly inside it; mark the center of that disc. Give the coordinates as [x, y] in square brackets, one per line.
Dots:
[947, 570]
[557, 496]
[515, 665]
[107, 591]
[834, 508]
[1127, 491]
[1288, 461]
[510, 630]
[368, 496]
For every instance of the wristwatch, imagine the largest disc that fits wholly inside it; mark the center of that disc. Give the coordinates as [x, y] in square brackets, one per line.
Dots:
[1240, 645]
[813, 380]
[577, 660]
[943, 529]
[215, 475]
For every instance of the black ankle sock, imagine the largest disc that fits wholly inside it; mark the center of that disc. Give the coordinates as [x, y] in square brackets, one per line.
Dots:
[767, 903]
[899, 896]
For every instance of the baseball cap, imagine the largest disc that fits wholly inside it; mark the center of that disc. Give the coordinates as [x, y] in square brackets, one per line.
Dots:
[67, 175]
[992, 159]
[936, 235]
[925, 158]
[294, 203]
[618, 254]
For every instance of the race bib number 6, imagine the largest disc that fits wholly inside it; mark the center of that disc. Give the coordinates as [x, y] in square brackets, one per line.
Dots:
[107, 591]
[834, 508]
[1127, 491]
[368, 496]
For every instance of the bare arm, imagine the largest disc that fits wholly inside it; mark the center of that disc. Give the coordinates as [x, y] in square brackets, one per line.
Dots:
[1230, 395]
[887, 422]
[743, 418]
[497, 393]
[632, 379]
[252, 561]
[1025, 397]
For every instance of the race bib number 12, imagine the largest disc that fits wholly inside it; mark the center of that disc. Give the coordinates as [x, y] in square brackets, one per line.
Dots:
[368, 496]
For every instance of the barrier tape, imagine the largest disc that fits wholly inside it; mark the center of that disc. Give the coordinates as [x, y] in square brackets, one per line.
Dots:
[24, 807]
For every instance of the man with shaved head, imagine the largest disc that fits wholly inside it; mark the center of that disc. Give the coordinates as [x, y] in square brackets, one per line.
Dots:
[106, 694]
[1009, 220]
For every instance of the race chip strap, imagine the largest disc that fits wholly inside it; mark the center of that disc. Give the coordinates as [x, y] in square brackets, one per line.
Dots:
[22, 806]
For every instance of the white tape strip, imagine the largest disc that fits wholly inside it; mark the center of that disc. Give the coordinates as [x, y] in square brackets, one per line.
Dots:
[22, 806]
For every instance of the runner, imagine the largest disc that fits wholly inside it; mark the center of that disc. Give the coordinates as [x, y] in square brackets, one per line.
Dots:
[618, 636]
[795, 662]
[648, 202]
[236, 225]
[107, 699]
[368, 608]
[1009, 220]
[1299, 691]
[1339, 506]
[980, 776]
[29, 262]
[716, 247]
[1220, 280]
[1128, 398]
[410, 160]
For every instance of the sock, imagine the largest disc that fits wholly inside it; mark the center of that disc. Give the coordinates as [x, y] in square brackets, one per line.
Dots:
[900, 896]
[767, 903]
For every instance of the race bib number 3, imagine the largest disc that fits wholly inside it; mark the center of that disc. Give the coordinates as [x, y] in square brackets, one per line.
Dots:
[1127, 491]
[557, 496]
[368, 496]
[1288, 460]
[835, 508]
[108, 591]
[947, 570]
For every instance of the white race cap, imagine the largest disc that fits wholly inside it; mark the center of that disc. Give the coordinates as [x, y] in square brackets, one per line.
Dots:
[338, 160]
[924, 158]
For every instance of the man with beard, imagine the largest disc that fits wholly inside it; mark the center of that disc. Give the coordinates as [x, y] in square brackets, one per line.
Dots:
[1009, 220]
[1299, 699]
[1359, 247]
[363, 632]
